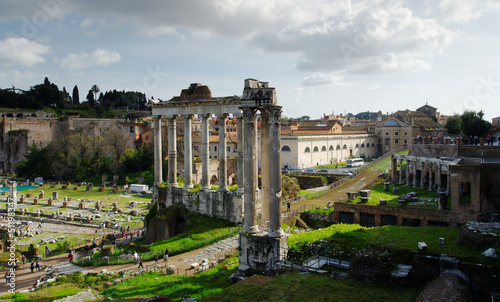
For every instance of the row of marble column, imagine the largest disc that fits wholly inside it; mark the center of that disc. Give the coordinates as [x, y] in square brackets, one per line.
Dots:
[247, 161]
[424, 168]
[188, 152]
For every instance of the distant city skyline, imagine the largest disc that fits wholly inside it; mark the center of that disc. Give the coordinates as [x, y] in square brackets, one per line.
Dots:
[321, 56]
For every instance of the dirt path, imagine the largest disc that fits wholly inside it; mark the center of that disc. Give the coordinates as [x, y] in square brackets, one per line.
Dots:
[25, 279]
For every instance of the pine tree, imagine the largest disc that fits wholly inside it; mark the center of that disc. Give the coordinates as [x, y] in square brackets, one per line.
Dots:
[76, 96]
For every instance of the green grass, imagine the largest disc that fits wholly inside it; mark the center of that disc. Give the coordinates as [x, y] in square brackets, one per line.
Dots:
[203, 230]
[429, 199]
[385, 163]
[50, 293]
[294, 286]
[330, 166]
[173, 286]
[353, 237]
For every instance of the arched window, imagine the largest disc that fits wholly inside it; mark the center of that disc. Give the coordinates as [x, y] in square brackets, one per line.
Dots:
[344, 147]
[362, 145]
[331, 148]
[338, 147]
[323, 148]
[315, 149]
[357, 145]
[373, 144]
[286, 148]
[307, 150]
[368, 145]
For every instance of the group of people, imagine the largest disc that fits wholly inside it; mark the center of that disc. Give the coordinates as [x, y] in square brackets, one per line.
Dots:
[138, 259]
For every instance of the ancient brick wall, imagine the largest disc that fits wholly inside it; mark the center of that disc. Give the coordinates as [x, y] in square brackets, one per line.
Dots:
[450, 218]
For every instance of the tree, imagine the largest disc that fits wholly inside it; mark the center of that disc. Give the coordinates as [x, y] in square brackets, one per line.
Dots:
[118, 141]
[90, 99]
[76, 96]
[454, 124]
[95, 90]
[474, 124]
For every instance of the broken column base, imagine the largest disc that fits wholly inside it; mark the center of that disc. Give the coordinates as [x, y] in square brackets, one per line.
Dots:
[259, 252]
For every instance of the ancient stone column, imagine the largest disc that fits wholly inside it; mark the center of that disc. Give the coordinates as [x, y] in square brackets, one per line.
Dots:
[188, 152]
[414, 166]
[431, 184]
[205, 153]
[13, 191]
[157, 150]
[264, 166]
[422, 174]
[438, 177]
[222, 153]
[407, 173]
[400, 164]
[274, 172]
[448, 180]
[250, 120]
[394, 168]
[172, 152]
[241, 160]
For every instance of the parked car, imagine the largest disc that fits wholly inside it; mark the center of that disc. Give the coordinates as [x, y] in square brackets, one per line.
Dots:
[346, 173]
[309, 170]
[323, 171]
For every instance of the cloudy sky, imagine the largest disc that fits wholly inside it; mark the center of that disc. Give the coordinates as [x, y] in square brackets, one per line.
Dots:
[322, 56]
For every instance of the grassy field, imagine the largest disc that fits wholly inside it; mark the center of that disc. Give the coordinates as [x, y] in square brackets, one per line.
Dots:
[338, 240]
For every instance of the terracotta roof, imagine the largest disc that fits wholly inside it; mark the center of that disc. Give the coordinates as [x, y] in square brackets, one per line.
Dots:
[429, 124]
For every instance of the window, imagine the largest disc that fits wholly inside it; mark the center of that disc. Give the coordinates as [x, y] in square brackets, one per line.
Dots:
[228, 149]
[373, 144]
[307, 150]
[208, 148]
[331, 148]
[357, 145]
[315, 149]
[379, 141]
[405, 133]
[147, 136]
[215, 149]
[368, 145]
[323, 148]
[396, 133]
[132, 129]
[379, 133]
[396, 141]
[286, 148]
[344, 147]
[387, 134]
[362, 145]
[405, 142]
[235, 150]
[338, 147]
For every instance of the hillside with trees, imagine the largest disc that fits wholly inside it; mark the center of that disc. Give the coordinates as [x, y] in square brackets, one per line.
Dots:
[48, 95]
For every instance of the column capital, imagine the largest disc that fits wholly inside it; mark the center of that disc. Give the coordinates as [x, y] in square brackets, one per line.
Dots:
[188, 116]
[249, 113]
[222, 115]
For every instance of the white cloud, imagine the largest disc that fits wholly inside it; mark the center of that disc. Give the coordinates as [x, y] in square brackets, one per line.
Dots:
[21, 51]
[100, 57]
[460, 11]
[375, 86]
[319, 78]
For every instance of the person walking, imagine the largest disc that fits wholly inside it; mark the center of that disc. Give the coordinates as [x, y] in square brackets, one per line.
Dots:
[165, 256]
[135, 257]
[37, 266]
[23, 259]
[288, 206]
[32, 266]
[140, 262]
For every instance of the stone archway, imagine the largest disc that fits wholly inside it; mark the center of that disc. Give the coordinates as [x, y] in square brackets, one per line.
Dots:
[213, 180]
